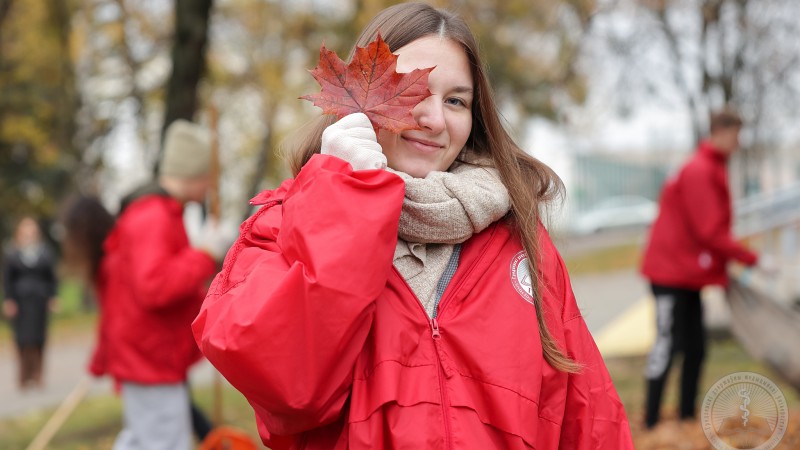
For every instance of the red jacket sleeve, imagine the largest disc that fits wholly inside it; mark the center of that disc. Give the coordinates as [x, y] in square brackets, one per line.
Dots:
[708, 216]
[164, 271]
[288, 315]
[594, 417]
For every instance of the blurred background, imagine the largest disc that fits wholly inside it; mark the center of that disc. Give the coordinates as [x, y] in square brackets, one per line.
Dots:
[612, 94]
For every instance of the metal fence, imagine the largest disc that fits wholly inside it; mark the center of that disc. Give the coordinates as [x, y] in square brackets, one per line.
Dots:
[598, 177]
[765, 305]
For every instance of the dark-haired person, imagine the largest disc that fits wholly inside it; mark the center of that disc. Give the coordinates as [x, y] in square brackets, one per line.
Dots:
[30, 284]
[689, 246]
[401, 292]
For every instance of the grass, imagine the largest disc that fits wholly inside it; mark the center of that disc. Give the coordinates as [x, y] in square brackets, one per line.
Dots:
[92, 425]
[724, 357]
[70, 294]
[95, 422]
[602, 260]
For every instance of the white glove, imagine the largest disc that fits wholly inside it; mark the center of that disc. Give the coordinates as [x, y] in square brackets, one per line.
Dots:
[215, 238]
[193, 222]
[767, 264]
[210, 236]
[353, 139]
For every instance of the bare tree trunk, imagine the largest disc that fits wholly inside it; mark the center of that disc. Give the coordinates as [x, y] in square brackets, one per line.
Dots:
[67, 103]
[5, 7]
[262, 162]
[188, 60]
[677, 74]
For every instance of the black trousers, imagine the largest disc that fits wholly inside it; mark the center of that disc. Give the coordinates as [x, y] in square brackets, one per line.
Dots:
[201, 425]
[679, 323]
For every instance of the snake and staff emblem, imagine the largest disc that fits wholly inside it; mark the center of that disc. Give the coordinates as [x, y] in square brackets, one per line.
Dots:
[745, 402]
[744, 410]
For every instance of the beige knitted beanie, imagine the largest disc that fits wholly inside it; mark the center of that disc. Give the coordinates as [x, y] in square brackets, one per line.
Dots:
[187, 150]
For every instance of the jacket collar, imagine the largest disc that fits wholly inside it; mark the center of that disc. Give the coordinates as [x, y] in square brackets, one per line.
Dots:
[707, 149]
[143, 191]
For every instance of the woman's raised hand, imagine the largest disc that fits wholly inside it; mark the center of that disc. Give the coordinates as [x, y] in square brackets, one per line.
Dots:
[353, 139]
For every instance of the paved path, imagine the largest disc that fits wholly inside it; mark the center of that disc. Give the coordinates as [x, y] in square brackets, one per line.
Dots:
[65, 364]
[604, 297]
[620, 313]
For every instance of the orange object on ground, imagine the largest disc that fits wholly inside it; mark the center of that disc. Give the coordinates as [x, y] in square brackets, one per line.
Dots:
[227, 438]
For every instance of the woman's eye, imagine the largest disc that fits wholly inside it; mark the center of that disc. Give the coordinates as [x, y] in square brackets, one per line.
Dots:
[455, 101]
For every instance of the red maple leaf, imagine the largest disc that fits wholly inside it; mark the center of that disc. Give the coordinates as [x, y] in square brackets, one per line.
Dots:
[370, 84]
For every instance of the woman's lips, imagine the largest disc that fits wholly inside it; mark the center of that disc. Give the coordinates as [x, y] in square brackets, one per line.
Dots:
[423, 145]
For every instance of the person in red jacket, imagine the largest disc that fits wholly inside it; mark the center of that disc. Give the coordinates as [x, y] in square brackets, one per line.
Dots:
[689, 246]
[150, 281]
[400, 291]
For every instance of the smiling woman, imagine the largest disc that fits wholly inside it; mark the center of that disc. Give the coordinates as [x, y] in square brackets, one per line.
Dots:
[400, 291]
[444, 118]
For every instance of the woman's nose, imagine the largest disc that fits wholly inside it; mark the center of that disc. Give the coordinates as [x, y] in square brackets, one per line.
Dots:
[429, 114]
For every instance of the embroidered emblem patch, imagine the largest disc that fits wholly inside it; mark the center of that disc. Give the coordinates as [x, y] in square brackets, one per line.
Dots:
[521, 276]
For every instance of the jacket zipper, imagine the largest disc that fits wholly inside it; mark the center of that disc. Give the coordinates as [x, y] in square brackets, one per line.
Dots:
[444, 370]
[442, 384]
[436, 335]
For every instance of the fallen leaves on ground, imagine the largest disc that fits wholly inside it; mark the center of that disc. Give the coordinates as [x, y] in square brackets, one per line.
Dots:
[674, 434]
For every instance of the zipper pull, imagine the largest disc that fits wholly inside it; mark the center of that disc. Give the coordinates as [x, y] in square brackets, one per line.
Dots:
[435, 329]
[444, 360]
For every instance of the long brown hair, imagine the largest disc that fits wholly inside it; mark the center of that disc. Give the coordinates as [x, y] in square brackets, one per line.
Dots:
[86, 224]
[530, 183]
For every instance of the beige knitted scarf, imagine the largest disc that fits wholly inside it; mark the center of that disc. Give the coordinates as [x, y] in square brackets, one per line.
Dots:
[440, 210]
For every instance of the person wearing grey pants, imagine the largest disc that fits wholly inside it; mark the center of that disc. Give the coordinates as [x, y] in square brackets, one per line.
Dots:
[155, 417]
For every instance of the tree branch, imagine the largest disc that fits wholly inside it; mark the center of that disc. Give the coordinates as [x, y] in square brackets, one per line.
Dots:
[192, 19]
[677, 73]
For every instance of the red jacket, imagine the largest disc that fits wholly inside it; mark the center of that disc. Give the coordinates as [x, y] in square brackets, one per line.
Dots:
[310, 320]
[691, 240]
[150, 285]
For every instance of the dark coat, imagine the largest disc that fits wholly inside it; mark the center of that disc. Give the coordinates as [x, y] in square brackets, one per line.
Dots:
[31, 284]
